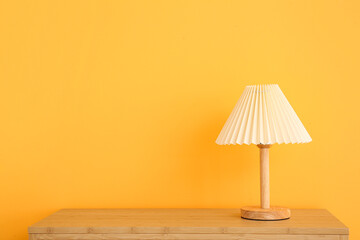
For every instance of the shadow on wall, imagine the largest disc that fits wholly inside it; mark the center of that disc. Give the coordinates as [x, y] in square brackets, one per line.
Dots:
[218, 169]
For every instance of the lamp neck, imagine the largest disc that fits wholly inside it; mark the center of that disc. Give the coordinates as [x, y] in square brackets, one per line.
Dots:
[264, 145]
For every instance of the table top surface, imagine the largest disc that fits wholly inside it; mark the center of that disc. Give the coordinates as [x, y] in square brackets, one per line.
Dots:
[132, 221]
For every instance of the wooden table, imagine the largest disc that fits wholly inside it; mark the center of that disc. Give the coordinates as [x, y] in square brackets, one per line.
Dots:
[184, 224]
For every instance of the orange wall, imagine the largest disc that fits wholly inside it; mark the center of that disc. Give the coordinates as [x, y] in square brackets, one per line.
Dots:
[118, 104]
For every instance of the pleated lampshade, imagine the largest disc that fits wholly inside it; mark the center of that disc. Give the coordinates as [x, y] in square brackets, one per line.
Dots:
[263, 115]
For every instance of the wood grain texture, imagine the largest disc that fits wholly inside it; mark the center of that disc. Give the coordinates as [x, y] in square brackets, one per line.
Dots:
[184, 221]
[182, 237]
[273, 213]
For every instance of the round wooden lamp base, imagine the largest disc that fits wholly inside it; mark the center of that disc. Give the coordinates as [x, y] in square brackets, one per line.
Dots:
[265, 214]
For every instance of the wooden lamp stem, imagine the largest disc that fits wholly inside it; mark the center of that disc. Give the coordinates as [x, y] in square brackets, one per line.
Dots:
[264, 176]
[265, 212]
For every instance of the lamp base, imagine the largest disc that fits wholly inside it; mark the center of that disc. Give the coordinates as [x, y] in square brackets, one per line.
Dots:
[265, 214]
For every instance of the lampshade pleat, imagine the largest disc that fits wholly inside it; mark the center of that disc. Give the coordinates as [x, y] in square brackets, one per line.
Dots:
[263, 116]
[225, 135]
[243, 117]
[236, 123]
[233, 127]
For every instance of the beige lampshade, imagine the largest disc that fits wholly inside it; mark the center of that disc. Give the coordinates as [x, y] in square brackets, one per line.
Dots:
[263, 116]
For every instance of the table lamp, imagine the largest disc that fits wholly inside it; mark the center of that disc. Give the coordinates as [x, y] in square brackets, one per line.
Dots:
[263, 116]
